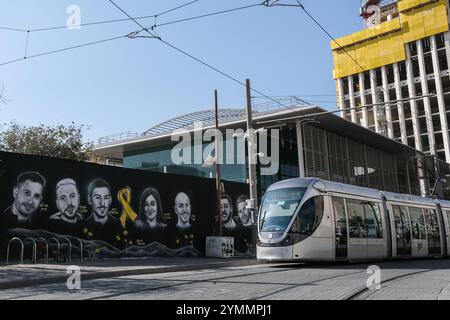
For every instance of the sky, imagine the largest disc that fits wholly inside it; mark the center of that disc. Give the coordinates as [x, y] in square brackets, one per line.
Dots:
[134, 84]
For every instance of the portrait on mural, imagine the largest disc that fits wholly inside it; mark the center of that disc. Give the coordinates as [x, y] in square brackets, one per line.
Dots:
[151, 224]
[68, 219]
[245, 215]
[226, 206]
[101, 224]
[27, 194]
[184, 226]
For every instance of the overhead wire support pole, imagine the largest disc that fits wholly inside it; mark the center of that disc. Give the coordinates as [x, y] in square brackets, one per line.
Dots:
[252, 150]
[217, 156]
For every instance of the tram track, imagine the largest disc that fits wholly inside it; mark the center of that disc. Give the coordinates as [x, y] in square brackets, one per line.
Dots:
[222, 279]
[186, 282]
[362, 291]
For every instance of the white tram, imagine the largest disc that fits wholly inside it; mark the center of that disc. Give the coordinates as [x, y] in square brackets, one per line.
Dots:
[316, 220]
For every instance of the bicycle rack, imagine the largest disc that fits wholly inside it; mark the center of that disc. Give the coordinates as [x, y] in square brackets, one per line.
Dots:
[58, 246]
[21, 249]
[33, 257]
[81, 248]
[70, 248]
[46, 248]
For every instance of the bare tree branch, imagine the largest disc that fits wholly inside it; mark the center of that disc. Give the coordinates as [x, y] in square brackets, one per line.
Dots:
[3, 98]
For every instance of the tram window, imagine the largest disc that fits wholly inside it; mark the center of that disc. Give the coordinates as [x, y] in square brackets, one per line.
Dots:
[309, 216]
[402, 230]
[278, 208]
[433, 231]
[373, 220]
[356, 219]
[417, 223]
[448, 218]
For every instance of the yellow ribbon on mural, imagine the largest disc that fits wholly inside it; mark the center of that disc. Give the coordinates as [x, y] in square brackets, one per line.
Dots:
[127, 211]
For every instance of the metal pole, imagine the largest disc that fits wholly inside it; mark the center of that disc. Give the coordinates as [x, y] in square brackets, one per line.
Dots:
[218, 184]
[251, 151]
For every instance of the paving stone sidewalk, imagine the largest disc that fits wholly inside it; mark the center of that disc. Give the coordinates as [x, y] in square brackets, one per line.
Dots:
[26, 275]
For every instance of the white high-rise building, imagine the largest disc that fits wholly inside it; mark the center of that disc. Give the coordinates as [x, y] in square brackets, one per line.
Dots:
[393, 76]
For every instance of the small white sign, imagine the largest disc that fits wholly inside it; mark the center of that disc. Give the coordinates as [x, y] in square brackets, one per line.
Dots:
[219, 247]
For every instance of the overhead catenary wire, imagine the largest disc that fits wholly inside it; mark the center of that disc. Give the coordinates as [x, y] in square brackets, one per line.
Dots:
[146, 17]
[199, 60]
[63, 49]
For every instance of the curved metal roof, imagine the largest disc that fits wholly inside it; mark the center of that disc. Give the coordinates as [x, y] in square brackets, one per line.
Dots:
[206, 117]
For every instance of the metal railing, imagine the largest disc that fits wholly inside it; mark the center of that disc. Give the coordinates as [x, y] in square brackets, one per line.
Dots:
[21, 249]
[81, 248]
[58, 246]
[46, 248]
[69, 255]
[47, 243]
[34, 253]
[280, 103]
[118, 137]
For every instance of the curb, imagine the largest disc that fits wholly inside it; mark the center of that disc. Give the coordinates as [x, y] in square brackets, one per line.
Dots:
[121, 273]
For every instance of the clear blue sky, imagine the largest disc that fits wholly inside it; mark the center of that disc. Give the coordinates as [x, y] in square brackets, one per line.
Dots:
[135, 84]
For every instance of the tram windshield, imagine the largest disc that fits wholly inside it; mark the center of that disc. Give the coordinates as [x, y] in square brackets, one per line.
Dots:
[278, 208]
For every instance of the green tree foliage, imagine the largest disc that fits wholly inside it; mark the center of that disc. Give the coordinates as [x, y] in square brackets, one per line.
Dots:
[59, 141]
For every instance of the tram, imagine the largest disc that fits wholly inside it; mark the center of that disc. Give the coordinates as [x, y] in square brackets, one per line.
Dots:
[316, 220]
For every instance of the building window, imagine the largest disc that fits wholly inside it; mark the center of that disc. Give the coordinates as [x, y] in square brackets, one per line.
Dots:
[397, 132]
[442, 57]
[439, 141]
[366, 76]
[425, 143]
[355, 83]
[412, 142]
[390, 73]
[428, 64]
[409, 129]
[426, 45]
[420, 108]
[434, 105]
[338, 154]
[413, 49]
[379, 77]
[418, 87]
[445, 84]
[402, 71]
[345, 85]
[415, 65]
[407, 110]
[440, 41]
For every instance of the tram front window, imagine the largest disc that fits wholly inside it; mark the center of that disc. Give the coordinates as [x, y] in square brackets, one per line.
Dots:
[278, 208]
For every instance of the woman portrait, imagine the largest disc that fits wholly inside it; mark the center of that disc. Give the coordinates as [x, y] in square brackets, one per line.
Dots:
[150, 211]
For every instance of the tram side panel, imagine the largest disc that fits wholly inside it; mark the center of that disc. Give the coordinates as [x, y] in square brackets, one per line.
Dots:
[317, 246]
[446, 225]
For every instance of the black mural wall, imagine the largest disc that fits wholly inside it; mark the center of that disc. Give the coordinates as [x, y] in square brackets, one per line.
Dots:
[117, 212]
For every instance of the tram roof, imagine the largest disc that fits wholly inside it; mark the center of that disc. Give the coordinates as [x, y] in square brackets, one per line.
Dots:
[337, 187]
[408, 198]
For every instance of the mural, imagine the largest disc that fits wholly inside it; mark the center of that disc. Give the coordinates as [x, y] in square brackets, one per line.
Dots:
[116, 212]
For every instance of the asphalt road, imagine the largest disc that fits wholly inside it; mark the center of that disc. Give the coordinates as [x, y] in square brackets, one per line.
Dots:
[420, 279]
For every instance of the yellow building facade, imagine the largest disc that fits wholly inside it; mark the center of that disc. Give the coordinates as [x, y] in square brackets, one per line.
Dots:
[393, 76]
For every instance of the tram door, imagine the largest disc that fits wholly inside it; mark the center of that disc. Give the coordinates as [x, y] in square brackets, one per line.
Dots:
[446, 214]
[433, 232]
[340, 227]
[402, 231]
